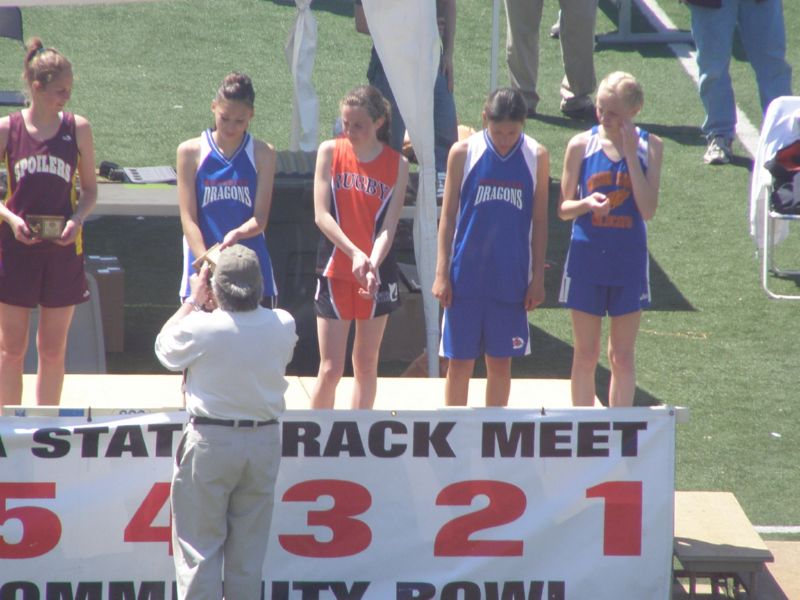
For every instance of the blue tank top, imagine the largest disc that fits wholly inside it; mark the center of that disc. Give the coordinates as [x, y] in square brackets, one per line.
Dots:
[610, 250]
[226, 193]
[492, 242]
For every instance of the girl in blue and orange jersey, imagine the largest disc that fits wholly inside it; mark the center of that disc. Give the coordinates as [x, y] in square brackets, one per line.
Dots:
[609, 188]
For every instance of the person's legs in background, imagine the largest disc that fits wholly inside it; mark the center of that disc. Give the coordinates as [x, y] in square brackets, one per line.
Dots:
[445, 128]
[763, 35]
[522, 48]
[377, 78]
[712, 29]
[576, 33]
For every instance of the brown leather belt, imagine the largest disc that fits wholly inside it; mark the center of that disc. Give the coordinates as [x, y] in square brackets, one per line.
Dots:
[231, 422]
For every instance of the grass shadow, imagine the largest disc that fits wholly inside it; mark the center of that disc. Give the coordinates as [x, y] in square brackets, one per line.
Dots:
[685, 135]
[562, 121]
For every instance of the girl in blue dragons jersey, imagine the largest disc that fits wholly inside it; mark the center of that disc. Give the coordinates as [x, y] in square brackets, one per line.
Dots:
[609, 188]
[225, 179]
[492, 242]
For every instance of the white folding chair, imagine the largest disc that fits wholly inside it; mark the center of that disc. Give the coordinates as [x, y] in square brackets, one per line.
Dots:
[767, 253]
[86, 350]
[769, 228]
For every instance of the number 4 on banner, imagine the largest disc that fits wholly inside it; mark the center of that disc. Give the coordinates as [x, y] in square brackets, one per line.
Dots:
[141, 528]
[622, 517]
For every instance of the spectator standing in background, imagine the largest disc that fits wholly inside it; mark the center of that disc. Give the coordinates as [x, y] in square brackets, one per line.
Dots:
[761, 29]
[576, 24]
[445, 123]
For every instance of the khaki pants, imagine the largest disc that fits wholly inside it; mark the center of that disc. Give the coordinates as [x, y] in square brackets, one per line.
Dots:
[222, 499]
[577, 26]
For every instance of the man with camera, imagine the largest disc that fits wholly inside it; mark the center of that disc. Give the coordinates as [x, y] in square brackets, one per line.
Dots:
[227, 461]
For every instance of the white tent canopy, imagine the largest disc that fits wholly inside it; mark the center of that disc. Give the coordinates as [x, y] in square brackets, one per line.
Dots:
[406, 38]
[300, 51]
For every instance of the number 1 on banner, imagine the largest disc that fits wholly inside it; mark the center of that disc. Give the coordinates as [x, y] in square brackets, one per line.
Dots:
[622, 517]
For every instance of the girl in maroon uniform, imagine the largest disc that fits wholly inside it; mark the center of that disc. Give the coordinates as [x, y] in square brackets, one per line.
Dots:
[46, 150]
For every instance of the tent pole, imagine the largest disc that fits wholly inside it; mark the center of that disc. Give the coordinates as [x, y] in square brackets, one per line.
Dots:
[495, 44]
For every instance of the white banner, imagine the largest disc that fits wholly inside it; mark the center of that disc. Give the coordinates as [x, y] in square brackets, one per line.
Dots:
[455, 504]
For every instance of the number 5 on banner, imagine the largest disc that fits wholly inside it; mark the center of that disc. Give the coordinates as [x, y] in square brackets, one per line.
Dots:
[41, 528]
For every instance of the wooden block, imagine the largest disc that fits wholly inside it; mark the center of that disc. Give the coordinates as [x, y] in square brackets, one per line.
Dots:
[714, 538]
[110, 278]
[712, 529]
[394, 393]
[783, 579]
[415, 393]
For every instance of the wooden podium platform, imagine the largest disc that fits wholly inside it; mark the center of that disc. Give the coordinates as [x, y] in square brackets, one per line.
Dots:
[154, 393]
[715, 539]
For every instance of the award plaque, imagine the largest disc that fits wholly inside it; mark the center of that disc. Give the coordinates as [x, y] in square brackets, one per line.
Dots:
[46, 227]
[210, 256]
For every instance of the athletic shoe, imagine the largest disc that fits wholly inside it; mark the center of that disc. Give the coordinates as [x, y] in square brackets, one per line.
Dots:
[718, 151]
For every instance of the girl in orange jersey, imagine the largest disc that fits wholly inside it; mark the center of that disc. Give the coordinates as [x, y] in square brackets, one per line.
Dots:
[45, 148]
[359, 186]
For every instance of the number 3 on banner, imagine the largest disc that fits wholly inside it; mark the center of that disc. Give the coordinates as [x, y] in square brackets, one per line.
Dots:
[350, 536]
[41, 528]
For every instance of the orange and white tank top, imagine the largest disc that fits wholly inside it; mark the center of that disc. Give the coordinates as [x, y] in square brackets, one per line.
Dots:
[360, 196]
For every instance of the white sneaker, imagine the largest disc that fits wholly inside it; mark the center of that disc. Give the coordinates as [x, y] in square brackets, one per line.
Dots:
[718, 151]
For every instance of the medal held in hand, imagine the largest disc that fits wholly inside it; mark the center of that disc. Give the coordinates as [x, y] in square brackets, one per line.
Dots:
[211, 256]
[46, 227]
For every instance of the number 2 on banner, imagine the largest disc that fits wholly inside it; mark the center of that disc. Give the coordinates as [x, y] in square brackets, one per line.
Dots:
[506, 503]
[41, 528]
[622, 516]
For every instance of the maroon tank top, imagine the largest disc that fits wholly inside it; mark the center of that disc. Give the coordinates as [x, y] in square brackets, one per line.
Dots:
[41, 174]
